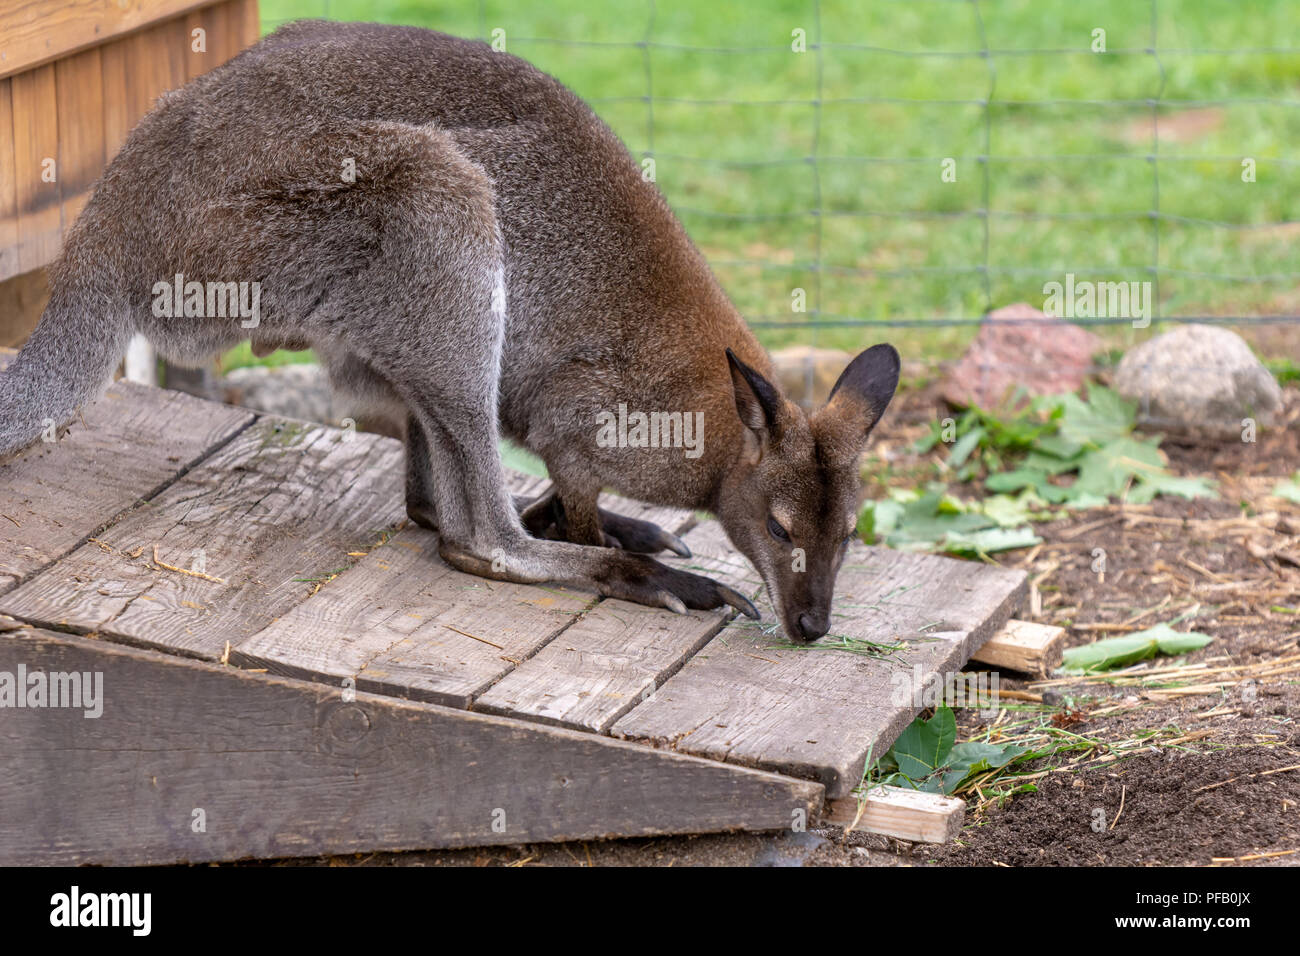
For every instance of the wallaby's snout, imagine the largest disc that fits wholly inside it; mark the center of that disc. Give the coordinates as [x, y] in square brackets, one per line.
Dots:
[789, 500]
[813, 625]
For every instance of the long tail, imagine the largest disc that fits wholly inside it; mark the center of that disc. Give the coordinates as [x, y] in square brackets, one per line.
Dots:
[67, 362]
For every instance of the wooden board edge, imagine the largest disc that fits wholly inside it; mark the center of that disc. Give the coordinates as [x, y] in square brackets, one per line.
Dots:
[282, 768]
[1024, 646]
[86, 30]
[900, 813]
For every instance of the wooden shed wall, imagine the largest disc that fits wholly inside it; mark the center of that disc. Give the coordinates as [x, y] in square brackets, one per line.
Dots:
[75, 77]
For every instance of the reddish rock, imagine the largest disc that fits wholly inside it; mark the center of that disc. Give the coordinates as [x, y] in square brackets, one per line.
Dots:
[1046, 357]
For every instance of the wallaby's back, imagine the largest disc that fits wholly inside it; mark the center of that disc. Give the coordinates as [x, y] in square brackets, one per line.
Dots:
[609, 300]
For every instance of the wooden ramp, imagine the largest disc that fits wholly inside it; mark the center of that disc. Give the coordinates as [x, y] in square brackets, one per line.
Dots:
[289, 669]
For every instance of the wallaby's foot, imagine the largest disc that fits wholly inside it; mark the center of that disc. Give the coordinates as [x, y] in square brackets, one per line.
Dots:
[616, 574]
[545, 517]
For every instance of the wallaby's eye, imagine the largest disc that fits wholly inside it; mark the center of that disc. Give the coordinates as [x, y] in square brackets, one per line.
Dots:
[775, 530]
[849, 537]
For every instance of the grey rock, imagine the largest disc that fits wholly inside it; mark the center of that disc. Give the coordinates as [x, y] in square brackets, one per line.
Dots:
[1198, 380]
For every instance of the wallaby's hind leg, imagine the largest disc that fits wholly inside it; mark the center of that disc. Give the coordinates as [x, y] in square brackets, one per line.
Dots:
[419, 479]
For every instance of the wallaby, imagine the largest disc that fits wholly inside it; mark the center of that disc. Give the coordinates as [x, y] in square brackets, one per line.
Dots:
[467, 246]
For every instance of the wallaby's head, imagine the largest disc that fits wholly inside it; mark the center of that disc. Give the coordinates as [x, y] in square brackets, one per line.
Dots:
[789, 500]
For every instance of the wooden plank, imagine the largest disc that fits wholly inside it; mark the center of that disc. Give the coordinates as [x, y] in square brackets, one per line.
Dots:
[599, 668]
[120, 114]
[8, 186]
[1024, 646]
[36, 147]
[79, 87]
[401, 622]
[276, 509]
[156, 60]
[191, 761]
[618, 652]
[246, 22]
[818, 712]
[35, 32]
[133, 442]
[902, 814]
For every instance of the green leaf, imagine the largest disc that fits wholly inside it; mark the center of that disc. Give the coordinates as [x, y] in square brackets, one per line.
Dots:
[968, 759]
[1122, 651]
[964, 446]
[1058, 446]
[1016, 479]
[988, 541]
[1048, 464]
[923, 747]
[1109, 470]
[1165, 484]
[1104, 417]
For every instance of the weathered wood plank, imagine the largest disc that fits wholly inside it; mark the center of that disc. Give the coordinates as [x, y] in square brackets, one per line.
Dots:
[133, 442]
[193, 761]
[596, 671]
[79, 83]
[401, 622]
[617, 653]
[278, 508]
[119, 108]
[902, 814]
[38, 31]
[1024, 646]
[818, 712]
[157, 59]
[8, 186]
[36, 152]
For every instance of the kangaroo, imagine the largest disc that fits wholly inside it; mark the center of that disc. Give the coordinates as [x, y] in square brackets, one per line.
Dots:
[470, 250]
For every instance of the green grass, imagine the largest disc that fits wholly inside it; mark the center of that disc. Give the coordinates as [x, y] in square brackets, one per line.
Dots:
[895, 241]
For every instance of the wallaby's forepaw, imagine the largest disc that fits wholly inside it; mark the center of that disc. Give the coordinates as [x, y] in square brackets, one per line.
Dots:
[636, 578]
[641, 537]
[544, 517]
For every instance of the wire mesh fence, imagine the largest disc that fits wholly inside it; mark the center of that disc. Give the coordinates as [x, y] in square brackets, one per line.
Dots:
[824, 241]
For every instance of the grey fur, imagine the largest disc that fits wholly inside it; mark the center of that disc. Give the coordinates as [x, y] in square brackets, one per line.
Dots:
[476, 175]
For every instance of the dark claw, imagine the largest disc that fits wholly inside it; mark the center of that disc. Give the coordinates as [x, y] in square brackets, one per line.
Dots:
[672, 602]
[741, 603]
[676, 545]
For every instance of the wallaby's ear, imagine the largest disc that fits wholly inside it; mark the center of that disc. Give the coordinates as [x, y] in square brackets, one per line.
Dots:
[860, 396]
[757, 400]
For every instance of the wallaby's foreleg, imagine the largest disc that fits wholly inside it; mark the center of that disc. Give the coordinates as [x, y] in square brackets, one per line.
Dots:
[546, 516]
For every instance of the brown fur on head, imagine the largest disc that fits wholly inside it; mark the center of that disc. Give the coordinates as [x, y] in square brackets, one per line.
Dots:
[789, 500]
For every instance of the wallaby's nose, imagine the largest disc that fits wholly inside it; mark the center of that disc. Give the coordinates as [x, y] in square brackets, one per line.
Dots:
[811, 628]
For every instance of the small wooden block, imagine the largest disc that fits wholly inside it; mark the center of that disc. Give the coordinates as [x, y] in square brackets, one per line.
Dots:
[1024, 646]
[903, 814]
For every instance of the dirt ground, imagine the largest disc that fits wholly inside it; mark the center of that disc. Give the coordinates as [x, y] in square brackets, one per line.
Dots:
[1215, 777]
